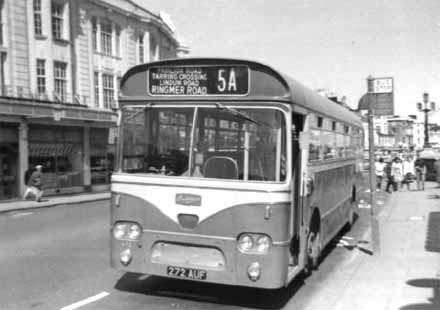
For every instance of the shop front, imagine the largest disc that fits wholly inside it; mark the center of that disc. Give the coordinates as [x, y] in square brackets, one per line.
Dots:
[102, 157]
[70, 142]
[8, 161]
[60, 151]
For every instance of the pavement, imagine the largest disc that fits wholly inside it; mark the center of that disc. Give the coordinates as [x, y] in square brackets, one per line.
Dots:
[51, 201]
[405, 273]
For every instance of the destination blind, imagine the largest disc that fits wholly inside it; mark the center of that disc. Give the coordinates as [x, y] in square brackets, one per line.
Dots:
[198, 81]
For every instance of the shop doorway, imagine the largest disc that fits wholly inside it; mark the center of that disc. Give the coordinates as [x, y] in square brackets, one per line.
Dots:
[8, 170]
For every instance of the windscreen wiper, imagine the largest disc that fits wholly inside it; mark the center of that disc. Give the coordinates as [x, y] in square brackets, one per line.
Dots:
[240, 114]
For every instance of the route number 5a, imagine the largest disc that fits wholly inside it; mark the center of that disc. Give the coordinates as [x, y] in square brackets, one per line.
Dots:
[226, 80]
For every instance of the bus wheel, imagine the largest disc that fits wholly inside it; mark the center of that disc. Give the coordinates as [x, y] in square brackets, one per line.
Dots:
[313, 251]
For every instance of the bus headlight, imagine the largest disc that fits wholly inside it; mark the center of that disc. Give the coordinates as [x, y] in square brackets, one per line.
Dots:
[130, 231]
[254, 243]
[119, 230]
[245, 243]
[134, 232]
[263, 244]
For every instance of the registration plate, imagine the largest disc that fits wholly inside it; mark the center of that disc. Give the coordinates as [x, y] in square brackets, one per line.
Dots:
[186, 273]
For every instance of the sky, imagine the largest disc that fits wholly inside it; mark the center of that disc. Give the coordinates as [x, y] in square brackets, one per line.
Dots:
[332, 44]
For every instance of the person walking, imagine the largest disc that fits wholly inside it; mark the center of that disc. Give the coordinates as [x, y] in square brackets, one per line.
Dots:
[420, 169]
[36, 182]
[437, 171]
[27, 176]
[380, 172]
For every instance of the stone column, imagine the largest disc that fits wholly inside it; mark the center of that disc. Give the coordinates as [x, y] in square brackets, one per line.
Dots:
[23, 155]
[87, 175]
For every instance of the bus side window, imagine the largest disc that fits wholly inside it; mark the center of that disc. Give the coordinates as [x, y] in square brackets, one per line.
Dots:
[315, 145]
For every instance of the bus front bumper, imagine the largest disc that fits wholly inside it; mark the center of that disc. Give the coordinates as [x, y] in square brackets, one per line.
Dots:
[201, 258]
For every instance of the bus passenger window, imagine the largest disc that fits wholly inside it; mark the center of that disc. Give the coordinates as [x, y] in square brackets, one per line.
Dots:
[315, 145]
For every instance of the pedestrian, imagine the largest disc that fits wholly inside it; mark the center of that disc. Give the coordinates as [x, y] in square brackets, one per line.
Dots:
[437, 171]
[397, 172]
[408, 172]
[27, 176]
[380, 172]
[420, 169]
[390, 178]
[36, 182]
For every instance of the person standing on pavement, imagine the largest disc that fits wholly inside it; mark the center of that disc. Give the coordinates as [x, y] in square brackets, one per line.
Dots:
[420, 169]
[408, 172]
[390, 178]
[397, 172]
[380, 172]
[437, 171]
[36, 182]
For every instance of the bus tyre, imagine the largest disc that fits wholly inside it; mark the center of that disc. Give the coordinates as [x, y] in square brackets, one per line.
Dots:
[313, 251]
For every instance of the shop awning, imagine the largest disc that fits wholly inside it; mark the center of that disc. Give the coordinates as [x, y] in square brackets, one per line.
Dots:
[49, 149]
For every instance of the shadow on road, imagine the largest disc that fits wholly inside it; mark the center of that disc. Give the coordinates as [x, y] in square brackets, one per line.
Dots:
[207, 292]
[425, 283]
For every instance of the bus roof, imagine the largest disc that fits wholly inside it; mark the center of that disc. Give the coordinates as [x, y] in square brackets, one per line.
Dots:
[253, 81]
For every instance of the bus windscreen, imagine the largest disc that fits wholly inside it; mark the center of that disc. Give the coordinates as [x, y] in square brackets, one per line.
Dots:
[219, 142]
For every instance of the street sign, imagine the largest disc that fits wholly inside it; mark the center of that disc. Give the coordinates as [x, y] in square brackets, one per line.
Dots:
[382, 85]
[380, 94]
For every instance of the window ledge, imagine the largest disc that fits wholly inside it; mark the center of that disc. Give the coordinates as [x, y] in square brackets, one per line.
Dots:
[107, 55]
[61, 41]
[40, 37]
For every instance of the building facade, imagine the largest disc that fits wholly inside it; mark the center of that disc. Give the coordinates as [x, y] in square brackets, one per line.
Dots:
[60, 66]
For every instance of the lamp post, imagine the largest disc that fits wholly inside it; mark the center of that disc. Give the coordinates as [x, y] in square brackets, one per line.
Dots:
[426, 107]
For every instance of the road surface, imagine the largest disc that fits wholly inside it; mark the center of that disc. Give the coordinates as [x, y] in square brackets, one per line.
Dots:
[58, 258]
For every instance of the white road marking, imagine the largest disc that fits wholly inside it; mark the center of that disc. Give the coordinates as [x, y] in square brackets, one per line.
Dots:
[343, 243]
[86, 301]
[347, 237]
[380, 202]
[21, 214]
[416, 218]
[364, 206]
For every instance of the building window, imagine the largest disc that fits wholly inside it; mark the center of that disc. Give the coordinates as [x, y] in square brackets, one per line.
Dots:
[106, 38]
[96, 84]
[94, 34]
[1, 22]
[60, 75]
[57, 20]
[41, 76]
[38, 26]
[319, 121]
[108, 90]
[141, 48]
[118, 41]
[154, 49]
[2, 73]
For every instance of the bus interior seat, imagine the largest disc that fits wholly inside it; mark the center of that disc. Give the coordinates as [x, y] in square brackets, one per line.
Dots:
[221, 167]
